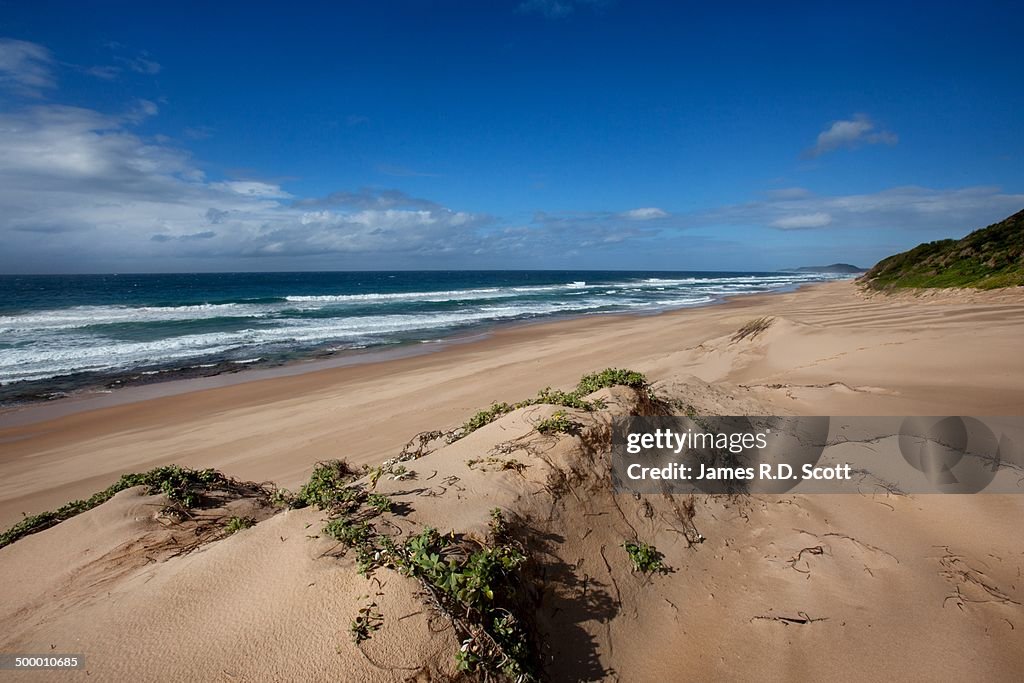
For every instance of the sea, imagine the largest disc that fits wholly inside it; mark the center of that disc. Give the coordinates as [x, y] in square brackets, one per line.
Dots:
[60, 334]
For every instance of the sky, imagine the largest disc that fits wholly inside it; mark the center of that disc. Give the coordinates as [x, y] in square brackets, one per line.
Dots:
[549, 134]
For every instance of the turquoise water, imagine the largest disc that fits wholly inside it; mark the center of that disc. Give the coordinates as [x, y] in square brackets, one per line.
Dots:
[57, 332]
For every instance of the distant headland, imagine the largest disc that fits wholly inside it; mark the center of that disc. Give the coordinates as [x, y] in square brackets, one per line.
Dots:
[834, 268]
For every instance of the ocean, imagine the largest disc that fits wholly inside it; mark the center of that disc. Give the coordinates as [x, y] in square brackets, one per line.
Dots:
[63, 333]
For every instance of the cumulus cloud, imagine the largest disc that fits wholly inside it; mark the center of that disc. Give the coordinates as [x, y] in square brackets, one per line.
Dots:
[25, 68]
[850, 134]
[44, 147]
[115, 195]
[644, 214]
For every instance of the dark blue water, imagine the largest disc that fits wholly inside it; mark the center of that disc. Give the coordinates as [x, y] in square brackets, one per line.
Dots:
[61, 331]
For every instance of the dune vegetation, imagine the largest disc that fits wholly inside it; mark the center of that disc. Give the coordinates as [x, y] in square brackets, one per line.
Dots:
[989, 258]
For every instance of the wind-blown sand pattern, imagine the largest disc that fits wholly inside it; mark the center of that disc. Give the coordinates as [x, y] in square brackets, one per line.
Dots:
[772, 587]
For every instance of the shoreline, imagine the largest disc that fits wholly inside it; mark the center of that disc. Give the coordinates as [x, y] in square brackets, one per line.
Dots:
[828, 351]
[180, 326]
[102, 396]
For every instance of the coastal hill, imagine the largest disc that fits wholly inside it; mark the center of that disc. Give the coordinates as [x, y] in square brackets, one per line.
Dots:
[833, 268]
[988, 258]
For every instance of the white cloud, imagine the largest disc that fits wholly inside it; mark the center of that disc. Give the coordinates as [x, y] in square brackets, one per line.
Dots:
[80, 189]
[140, 63]
[644, 214]
[47, 145]
[850, 133]
[367, 198]
[107, 73]
[907, 209]
[25, 68]
[115, 196]
[804, 221]
[118, 199]
[252, 188]
[141, 110]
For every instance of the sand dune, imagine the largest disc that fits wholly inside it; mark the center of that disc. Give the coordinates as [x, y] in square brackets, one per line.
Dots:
[767, 587]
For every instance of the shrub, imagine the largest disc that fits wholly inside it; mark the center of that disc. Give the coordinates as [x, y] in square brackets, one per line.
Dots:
[474, 585]
[181, 485]
[645, 557]
[988, 258]
[235, 524]
[498, 526]
[610, 377]
[588, 384]
[477, 583]
[379, 502]
[568, 400]
[283, 498]
[485, 417]
[558, 423]
[327, 486]
[352, 534]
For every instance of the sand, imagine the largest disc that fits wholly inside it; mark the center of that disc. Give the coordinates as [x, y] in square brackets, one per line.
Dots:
[910, 587]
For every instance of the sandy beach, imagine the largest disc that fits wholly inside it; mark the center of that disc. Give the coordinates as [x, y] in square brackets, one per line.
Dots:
[905, 586]
[536, 341]
[831, 351]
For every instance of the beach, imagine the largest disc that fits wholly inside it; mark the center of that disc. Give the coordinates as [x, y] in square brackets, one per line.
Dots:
[62, 335]
[536, 341]
[777, 586]
[831, 351]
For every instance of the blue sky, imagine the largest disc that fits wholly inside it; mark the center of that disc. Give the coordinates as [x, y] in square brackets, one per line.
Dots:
[521, 134]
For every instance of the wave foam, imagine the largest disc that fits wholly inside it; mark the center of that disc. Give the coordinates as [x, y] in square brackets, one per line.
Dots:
[44, 344]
